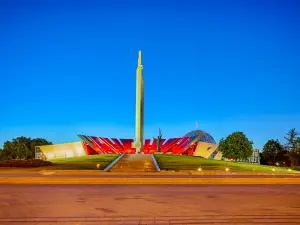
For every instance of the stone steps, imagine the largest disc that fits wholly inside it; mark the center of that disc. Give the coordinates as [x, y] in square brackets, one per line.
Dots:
[134, 163]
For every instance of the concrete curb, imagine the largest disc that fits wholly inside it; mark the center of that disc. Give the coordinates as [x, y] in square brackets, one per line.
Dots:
[113, 163]
[155, 163]
[161, 172]
[147, 181]
[291, 218]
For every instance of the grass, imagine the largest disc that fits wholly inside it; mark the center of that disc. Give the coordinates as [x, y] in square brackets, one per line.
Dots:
[297, 168]
[83, 162]
[179, 162]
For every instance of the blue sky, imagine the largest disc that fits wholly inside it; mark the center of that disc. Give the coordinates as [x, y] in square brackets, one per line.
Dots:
[68, 67]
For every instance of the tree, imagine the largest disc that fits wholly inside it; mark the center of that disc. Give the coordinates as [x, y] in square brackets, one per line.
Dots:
[297, 145]
[263, 161]
[236, 146]
[293, 146]
[297, 149]
[283, 158]
[270, 150]
[291, 140]
[22, 147]
[1, 154]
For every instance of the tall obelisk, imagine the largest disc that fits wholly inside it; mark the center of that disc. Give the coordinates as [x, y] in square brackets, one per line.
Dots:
[139, 110]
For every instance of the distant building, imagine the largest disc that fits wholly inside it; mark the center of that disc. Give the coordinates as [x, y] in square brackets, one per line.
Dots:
[253, 159]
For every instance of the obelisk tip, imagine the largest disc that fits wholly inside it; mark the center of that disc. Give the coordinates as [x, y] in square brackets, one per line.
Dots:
[140, 58]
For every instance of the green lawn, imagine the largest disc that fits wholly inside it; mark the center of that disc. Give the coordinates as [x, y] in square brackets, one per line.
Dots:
[297, 168]
[179, 162]
[83, 162]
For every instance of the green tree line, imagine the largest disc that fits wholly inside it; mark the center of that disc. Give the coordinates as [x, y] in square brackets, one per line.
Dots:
[21, 148]
[237, 146]
[274, 153]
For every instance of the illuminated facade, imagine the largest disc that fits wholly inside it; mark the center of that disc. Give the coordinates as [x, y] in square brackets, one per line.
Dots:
[58, 151]
[195, 143]
[186, 145]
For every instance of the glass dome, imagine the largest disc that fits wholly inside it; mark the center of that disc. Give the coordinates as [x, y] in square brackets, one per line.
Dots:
[205, 137]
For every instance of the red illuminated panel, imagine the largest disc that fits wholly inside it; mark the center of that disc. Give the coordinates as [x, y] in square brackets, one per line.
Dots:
[88, 140]
[100, 145]
[118, 145]
[149, 148]
[88, 149]
[169, 145]
[127, 144]
[179, 148]
[104, 147]
[146, 146]
[111, 146]
[191, 144]
[191, 150]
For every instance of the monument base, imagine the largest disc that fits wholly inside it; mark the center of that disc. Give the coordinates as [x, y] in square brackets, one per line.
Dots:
[138, 147]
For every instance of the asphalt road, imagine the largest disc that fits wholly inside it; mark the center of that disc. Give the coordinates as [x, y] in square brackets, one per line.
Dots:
[144, 204]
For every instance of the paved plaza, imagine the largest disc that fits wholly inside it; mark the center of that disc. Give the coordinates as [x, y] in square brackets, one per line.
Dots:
[144, 204]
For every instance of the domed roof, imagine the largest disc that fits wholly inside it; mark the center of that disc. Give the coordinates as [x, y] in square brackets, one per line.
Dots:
[204, 137]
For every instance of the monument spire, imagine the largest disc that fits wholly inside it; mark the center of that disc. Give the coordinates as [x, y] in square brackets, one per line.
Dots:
[139, 110]
[140, 59]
